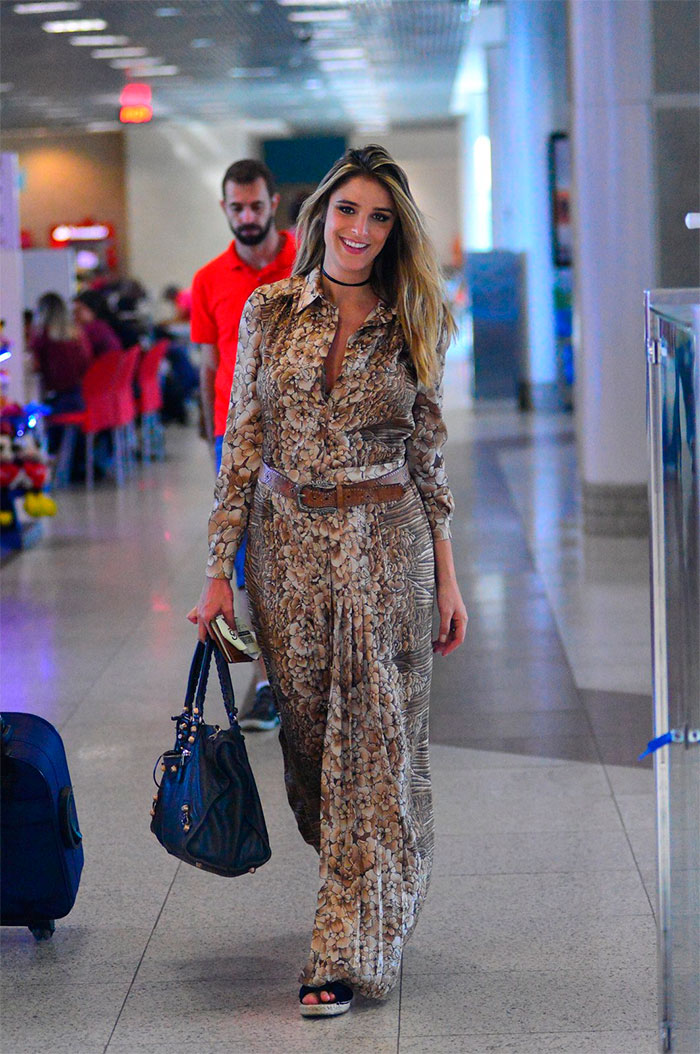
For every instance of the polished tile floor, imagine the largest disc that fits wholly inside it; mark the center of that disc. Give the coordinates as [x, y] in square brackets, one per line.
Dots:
[538, 934]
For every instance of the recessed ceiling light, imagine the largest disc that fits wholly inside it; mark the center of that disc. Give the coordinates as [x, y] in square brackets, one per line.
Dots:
[316, 3]
[76, 25]
[336, 32]
[201, 42]
[333, 65]
[318, 16]
[47, 8]
[101, 41]
[103, 126]
[241, 72]
[155, 71]
[135, 63]
[119, 53]
[340, 53]
[167, 12]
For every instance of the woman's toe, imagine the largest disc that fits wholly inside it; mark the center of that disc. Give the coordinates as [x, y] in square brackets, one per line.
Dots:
[327, 997]
[310, 999]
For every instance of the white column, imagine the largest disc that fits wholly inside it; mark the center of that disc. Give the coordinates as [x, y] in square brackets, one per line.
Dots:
[476, 176]
[526, 78]
[11, 280]
[613, 206]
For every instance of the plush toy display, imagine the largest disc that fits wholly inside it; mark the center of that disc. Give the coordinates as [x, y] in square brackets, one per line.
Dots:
[9, 471]
[24, 473]
[34, 476]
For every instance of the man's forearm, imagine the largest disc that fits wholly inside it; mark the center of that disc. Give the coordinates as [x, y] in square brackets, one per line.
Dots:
[207, 378]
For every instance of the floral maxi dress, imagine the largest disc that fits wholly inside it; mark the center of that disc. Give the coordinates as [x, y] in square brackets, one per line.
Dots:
[342, 602]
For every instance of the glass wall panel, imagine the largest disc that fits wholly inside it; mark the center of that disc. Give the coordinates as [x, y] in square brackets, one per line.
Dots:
[673, 331]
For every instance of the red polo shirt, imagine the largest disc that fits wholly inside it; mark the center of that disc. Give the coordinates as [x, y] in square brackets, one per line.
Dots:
[219, 292]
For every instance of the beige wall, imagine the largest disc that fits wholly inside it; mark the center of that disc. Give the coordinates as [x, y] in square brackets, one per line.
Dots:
[174, 175]
[174, 187]
[160, 187]
[68, 178]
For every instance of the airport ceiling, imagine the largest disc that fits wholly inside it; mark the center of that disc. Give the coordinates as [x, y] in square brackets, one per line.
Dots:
[318, 65]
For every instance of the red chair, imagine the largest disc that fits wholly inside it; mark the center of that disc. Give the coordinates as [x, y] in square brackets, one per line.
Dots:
[126, 404]
[151, 401]
[99, 386]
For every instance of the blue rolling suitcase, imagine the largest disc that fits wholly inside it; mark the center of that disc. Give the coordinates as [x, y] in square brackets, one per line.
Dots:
[40, 841]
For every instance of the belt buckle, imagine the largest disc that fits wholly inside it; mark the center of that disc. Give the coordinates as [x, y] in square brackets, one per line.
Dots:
[309, 508]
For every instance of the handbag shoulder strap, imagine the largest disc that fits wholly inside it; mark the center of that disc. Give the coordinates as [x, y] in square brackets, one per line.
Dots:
[199, 676]
[226, 686]
[195, 675]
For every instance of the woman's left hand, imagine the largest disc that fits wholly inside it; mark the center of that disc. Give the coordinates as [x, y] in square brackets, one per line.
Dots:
[453, 619]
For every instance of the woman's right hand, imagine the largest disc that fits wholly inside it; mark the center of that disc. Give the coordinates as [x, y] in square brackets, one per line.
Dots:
[215, 599]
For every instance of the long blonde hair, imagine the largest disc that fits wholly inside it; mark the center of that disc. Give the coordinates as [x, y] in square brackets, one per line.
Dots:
[406, 274]
[53, 319]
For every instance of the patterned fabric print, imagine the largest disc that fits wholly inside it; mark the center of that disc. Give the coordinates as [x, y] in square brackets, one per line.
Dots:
[374, 417]
[342, 603]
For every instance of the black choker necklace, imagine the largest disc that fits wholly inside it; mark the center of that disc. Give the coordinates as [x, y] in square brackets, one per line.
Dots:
[338, 282]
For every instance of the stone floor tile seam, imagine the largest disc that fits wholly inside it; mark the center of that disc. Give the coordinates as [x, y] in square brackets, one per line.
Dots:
[505, 1035]
[541, 579]
[551, 580]
[398, 1021]
[533, 557]
[616, 803]
[444, 873]
[141, 959]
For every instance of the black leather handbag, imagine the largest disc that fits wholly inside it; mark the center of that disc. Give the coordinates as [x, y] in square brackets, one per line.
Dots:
[207, 809]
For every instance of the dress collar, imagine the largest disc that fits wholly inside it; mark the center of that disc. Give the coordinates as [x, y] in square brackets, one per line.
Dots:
[312, 290]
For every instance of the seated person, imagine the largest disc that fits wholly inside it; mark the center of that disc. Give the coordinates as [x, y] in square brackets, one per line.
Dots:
[61, 352]
[97, 323]
[62, 356]
[177, 305]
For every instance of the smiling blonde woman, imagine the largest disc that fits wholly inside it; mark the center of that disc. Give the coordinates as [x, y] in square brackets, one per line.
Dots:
[333, 460]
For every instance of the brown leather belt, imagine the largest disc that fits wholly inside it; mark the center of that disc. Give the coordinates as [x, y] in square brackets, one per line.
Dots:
[390, 487]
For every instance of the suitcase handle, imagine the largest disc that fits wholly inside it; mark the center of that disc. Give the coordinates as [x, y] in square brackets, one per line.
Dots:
[68, 819]
[5, 733]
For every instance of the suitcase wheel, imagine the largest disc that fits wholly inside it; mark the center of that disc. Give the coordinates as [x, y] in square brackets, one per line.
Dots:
[44, 930]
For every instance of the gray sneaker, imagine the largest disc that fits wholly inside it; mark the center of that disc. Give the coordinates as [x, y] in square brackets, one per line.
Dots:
[262, 716]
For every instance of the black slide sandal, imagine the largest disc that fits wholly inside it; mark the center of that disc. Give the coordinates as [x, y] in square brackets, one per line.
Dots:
[343, 1000]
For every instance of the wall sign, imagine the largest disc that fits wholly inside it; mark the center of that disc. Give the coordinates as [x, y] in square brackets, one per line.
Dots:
[560, 196]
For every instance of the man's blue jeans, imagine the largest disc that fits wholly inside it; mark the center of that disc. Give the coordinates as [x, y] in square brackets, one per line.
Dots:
[239, 562]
